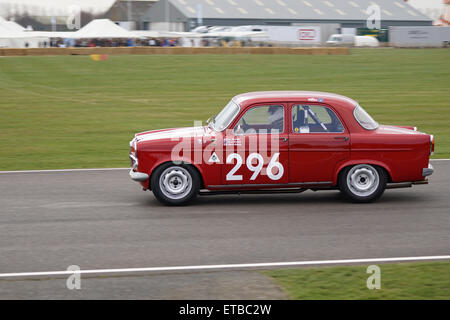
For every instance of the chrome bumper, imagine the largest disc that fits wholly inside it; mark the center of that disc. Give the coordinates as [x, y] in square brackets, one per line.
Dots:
[134, 161]
[134, 175]
[427, 171]
[138, 176]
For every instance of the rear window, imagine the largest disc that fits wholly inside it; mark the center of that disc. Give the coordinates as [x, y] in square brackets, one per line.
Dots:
[364, 119]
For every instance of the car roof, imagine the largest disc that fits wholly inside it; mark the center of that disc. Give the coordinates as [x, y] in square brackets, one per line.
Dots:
[293, 96]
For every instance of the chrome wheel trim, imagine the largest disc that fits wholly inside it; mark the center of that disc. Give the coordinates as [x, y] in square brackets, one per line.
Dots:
[175, 182]
[363, 180]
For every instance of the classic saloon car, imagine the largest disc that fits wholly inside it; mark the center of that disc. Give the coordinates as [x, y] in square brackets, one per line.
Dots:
[282, 141]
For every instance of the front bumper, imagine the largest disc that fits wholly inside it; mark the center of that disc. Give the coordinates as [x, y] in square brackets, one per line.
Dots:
[138, 176]
[134, 175]
[427, 171]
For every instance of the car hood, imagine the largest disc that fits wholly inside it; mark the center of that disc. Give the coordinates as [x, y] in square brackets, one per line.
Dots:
[174, 133]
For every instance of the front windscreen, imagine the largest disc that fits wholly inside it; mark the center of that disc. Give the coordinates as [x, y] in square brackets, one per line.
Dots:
[224, 118]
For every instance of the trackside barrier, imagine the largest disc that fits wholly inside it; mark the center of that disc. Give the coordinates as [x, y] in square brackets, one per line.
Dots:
[171, 50]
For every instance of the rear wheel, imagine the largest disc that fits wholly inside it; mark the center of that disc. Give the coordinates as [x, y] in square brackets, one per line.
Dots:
[363, 182]
[174, 184]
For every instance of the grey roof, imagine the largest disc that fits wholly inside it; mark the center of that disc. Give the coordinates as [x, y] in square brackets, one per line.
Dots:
[297, 9]
[119, 10]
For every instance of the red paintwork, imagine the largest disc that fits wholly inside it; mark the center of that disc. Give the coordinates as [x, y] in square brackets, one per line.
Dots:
[307, 158]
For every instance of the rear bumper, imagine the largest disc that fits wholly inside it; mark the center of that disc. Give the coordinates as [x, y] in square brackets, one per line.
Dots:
[138, 176]
[427, 171]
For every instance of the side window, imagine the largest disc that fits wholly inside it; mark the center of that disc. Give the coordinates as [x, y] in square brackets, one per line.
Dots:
[262, 120]
[306, 119]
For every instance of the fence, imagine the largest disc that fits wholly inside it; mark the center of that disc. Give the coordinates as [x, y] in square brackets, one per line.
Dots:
[171, 50]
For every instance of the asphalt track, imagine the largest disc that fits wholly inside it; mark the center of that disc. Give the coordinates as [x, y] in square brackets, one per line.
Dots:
[101, 219]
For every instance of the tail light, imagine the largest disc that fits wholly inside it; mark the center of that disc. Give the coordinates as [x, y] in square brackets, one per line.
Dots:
[431, 144]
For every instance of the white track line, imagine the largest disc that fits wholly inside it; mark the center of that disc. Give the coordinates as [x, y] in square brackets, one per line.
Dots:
[223, 266]
[102, 169]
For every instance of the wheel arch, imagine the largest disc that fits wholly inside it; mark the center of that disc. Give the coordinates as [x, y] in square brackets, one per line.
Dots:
[183, 162]
[344, 165]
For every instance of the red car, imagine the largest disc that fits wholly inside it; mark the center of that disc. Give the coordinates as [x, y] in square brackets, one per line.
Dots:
[279, 142]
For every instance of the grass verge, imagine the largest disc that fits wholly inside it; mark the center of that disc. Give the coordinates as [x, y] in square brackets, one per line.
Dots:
[406, 281]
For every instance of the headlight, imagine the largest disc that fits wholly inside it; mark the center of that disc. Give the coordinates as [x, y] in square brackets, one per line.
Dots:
[133, 158]
[133, 147]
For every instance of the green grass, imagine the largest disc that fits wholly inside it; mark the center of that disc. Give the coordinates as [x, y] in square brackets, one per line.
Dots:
[408, 281]
[71, 112]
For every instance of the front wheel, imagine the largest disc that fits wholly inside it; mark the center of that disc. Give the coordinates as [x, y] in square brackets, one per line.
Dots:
[174, 184]
[363, 182]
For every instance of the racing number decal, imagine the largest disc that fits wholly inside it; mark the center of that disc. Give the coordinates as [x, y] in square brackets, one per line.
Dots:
[274, 163]
[256, 169]
[230, 175]
[260, 162]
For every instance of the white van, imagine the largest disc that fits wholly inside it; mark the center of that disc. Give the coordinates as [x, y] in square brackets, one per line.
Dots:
[352, 40]
[341, 39]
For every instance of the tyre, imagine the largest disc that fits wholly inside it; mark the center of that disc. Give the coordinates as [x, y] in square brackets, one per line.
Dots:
[175, 184]
[363, 182]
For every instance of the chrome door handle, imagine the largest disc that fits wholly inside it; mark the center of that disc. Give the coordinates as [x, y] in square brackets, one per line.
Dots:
[284, 139]
[341, 138]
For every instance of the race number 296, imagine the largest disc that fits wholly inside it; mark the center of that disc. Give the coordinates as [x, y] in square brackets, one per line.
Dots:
[256, 169]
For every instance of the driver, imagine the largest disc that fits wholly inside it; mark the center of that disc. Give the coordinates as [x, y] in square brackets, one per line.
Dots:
[276, 118]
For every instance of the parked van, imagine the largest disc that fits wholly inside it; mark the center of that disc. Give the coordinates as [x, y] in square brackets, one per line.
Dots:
[352, 40]
[341, 39]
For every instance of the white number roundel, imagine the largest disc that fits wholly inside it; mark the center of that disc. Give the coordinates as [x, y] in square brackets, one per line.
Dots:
[256, 169]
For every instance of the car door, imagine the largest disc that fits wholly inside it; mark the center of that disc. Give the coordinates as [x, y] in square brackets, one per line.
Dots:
[257, 148]
[318, 141]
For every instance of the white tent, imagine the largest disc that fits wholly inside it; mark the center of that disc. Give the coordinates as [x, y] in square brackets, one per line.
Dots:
[6, 33]
[10, 30]
[103, 29]
[12, 35]
[51, 34]
[13, 26]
